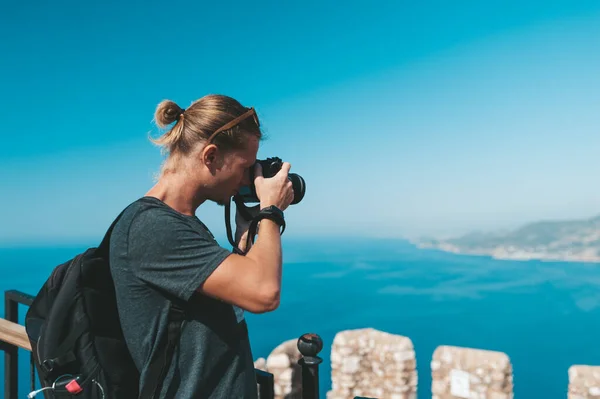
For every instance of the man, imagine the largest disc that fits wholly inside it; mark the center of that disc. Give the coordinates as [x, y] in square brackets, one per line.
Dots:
[161, 254]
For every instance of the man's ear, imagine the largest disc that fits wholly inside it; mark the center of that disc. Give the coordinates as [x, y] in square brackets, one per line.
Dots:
[210, 156]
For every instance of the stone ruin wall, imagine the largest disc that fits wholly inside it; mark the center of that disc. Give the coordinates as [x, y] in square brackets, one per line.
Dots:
[369, 363]
[470, 373]
[282, 362]
[584, 382]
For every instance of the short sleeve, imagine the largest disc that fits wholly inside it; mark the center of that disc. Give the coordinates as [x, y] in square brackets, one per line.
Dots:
[172, 253]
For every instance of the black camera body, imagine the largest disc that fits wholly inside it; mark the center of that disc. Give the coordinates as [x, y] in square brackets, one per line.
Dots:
[270, 167]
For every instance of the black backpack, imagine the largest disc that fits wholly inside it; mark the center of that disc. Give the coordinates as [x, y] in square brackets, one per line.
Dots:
[76, 338]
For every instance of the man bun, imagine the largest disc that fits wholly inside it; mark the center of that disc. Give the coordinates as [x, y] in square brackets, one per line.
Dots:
[167, 112]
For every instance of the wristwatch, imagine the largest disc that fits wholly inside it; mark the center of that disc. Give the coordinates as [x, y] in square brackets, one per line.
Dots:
[270, 212]
[273, 213]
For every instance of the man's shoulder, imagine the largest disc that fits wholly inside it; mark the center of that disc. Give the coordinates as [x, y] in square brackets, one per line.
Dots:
[150, 211]
[150, 216]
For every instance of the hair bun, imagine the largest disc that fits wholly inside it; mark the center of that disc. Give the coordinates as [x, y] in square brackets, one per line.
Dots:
[167, 112]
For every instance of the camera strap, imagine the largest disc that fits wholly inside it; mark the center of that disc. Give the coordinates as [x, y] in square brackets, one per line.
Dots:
[242, 209]
[266, 213]
[228, 225]
[252, 229]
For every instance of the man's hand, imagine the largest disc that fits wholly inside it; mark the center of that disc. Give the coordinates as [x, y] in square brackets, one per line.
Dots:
[276, 190]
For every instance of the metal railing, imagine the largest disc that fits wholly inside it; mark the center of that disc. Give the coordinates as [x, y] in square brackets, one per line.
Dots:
[309, 346]
[12, 299]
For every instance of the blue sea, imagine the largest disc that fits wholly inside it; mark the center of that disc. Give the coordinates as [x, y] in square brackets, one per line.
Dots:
[544, 315]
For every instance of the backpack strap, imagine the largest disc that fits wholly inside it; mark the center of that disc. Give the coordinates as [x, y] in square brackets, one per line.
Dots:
[105, 243]
[160, 363]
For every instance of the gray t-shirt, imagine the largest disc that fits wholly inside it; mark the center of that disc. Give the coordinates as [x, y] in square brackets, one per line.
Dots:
[159, 256]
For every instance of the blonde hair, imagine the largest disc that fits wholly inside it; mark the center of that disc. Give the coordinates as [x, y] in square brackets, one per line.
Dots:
[198, 122]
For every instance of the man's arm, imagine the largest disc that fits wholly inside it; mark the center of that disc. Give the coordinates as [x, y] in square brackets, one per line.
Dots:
[251, 282]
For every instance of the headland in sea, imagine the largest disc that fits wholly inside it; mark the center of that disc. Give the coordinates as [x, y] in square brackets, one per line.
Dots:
[557, 240]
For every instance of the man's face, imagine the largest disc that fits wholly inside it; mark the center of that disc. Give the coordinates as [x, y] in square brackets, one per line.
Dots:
[236, 171]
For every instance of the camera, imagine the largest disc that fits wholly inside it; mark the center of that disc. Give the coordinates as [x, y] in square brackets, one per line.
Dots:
[270, 167]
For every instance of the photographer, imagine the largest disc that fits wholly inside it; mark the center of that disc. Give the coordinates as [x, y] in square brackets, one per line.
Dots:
[162, 255]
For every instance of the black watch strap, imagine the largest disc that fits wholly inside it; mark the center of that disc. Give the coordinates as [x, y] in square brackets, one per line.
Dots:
[271, 212]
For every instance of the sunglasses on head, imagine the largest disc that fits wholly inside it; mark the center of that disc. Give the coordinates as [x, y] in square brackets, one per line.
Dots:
[234, 122]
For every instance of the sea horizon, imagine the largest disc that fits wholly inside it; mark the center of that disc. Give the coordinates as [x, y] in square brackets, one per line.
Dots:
[531, 310]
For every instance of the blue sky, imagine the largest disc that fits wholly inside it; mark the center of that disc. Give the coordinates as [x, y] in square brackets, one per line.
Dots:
[405, 119]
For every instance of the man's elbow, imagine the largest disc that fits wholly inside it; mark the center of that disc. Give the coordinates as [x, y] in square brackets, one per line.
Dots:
[267, 301]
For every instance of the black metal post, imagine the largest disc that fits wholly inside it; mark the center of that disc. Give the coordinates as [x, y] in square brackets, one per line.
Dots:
[309, 346]
[11, 354]
[32, 372]
[266, 384]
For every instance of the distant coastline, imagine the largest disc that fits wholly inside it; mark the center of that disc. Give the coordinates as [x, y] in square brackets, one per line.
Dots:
[568, 241]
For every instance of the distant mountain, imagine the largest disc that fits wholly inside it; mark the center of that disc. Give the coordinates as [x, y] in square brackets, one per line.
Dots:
[570, 240]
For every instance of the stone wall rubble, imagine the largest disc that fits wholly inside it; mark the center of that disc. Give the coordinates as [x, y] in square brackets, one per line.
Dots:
[584, 382]
[470, 374]
[282, 362]
[374, 364]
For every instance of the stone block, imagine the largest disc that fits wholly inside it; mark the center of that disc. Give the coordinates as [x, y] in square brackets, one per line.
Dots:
[466, 373]
[584, 382]
[370, 363]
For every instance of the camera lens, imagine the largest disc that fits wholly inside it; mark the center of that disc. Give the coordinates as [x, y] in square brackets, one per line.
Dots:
[299, 187]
